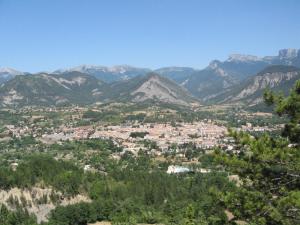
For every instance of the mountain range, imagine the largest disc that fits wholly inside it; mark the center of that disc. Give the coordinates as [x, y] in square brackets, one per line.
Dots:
[78, 88]
[50, 89]
[220, 76]
[240, 78]
[107, 74]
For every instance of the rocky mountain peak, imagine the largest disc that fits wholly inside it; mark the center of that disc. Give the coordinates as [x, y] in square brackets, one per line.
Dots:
[214, 64]
[288, 53]
[7, 70]
[242, 58]
[158, 88]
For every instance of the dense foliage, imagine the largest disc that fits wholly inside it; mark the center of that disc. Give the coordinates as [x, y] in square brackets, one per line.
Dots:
[18, 217]
[269, 170]
[64, 176]
[135, 190]
[289, 106]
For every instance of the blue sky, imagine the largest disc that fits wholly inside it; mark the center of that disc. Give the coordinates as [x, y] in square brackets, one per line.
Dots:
[38, 35]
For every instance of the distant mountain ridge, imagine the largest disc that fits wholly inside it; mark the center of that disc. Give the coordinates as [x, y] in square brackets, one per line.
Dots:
[8, 73]
[51, 89]
[107, 74]
[77, 88]
[276, 77]
[175, 73]
[125, 72]
[219, 76]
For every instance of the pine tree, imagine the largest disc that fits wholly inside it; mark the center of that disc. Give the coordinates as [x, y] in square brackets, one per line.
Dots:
[289, 106]
[268, 168]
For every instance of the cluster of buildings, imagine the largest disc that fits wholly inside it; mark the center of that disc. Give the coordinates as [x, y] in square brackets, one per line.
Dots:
[203, 135]
[16, 131]
[250, 128]
[67, 133]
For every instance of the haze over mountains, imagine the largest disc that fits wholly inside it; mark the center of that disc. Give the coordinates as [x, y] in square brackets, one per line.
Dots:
[8, 73]
[107, 74]
[240, 78]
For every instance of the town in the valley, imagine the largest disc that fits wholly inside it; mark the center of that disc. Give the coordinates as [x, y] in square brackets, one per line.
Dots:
[143, 112]
[50, 126]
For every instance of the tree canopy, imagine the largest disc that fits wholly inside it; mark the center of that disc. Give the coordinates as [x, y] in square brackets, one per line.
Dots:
[269, 169]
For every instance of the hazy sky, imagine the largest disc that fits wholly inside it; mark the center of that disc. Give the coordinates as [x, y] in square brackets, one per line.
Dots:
[40, 35]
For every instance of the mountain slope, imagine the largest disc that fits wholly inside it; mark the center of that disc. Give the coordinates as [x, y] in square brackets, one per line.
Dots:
[219, 76]
[277, 77]
[151, 87]
[49, 89]
[77, 88]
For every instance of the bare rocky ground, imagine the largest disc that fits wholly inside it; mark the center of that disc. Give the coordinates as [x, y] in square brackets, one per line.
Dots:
[39, 201]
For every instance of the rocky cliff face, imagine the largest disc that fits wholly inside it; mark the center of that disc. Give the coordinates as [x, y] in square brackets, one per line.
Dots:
[274, 77]
[269, 80]
[220, 76]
